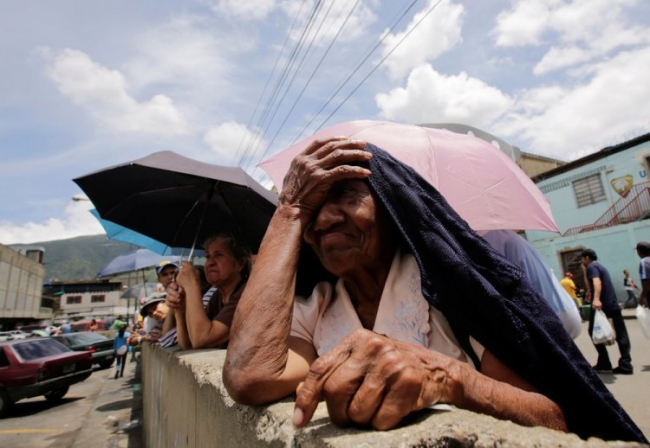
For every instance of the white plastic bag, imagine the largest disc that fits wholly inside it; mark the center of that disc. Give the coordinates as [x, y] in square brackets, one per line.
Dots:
[603, 333]
[643, 317]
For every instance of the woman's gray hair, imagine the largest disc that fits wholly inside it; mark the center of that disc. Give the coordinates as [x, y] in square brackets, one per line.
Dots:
[239, 250]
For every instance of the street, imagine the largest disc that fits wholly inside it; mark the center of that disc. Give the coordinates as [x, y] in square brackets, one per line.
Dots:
[91, 414]
[98, 411]
[631, 391]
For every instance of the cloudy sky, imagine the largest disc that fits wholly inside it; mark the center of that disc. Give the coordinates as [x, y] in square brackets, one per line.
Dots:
[87, 85]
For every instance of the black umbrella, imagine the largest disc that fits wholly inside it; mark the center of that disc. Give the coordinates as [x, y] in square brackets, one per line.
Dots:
[179, 201]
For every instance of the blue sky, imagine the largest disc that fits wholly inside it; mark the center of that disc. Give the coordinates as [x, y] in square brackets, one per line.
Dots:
[87, 85]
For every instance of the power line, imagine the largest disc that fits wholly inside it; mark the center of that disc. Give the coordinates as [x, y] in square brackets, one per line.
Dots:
[345, 81]
[287, 68]
[378, 65]
[305, 54]
[313, 73]
[268, 80]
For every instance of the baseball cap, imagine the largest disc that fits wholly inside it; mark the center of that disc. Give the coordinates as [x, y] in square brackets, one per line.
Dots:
[151, 300]
[163, 264]
[589, 253]
[643, 245]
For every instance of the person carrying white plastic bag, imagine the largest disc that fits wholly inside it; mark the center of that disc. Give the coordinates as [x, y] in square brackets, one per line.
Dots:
[601, 294]
[603, 332]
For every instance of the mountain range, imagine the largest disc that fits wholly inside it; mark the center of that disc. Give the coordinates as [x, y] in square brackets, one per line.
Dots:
[79, 258]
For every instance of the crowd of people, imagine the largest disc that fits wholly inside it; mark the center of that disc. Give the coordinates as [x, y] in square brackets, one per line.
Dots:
[370, 292]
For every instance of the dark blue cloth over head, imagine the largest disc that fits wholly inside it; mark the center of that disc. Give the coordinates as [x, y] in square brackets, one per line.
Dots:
[485, 296]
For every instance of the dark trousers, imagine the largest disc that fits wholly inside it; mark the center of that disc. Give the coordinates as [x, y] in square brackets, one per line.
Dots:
[622, 339]
[630, 298]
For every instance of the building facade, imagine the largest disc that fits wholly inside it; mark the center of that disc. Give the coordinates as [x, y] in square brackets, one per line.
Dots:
[21, 283]
[86, 298]
[601, 202]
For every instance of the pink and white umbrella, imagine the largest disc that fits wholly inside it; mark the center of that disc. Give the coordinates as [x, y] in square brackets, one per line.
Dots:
[483, 185]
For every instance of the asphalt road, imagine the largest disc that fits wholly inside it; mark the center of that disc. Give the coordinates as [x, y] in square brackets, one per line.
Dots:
[632, 391]
[93, 413]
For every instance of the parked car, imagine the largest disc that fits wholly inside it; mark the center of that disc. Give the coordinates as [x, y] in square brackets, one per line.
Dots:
[84, 325]
[99, 345]
[19, 334]
[39, 366]
[30, 328]
[5, 336]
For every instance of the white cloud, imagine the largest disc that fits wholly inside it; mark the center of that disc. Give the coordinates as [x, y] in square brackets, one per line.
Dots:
[330, 18]
[436, 34]
[562, 122]
[430, 97]
[230, 140]
[581, 30]
[183, 52]
[77, 222]
[245, 10]
[524, 23]
[104, 94]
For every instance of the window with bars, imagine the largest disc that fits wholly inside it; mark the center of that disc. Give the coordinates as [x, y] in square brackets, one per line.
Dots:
[72, 300]
[97, 299]
[589, 190]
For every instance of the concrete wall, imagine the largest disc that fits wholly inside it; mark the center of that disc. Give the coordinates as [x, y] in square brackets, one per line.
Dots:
[21, 283]
[186, 405]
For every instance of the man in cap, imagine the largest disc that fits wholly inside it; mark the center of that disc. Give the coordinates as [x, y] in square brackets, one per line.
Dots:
[603, 297]
[643, 251]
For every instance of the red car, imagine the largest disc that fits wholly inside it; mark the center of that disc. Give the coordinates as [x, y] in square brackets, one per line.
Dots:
[39, 366]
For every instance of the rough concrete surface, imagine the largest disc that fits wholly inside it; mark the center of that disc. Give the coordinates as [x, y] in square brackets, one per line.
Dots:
[186, 405]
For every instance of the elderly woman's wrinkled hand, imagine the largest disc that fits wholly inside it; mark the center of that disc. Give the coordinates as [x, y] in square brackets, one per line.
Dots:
[371, 380]
[186, 273]
[175, 297]
[317, 168]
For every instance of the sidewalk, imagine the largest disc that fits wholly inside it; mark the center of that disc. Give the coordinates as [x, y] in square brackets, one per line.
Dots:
[116, 417]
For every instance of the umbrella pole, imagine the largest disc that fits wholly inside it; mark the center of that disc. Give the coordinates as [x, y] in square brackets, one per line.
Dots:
[198, 230]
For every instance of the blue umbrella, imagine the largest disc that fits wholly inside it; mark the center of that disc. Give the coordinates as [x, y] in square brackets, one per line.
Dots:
[135, 261]
[120, 233]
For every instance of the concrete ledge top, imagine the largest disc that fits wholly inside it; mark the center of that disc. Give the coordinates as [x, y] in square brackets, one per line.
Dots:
[271, 425]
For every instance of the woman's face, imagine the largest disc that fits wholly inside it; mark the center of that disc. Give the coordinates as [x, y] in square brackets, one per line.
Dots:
[221, 266]
[350, 232]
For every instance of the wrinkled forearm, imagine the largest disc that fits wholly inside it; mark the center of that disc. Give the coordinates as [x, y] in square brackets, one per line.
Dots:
[181, 330]
[485, 395]
[198, 324]
[258, 348]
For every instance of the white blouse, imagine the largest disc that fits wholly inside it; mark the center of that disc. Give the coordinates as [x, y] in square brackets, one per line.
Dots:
[328, 316]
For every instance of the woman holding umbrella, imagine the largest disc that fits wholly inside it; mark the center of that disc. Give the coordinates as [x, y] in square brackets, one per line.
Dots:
[200, 324]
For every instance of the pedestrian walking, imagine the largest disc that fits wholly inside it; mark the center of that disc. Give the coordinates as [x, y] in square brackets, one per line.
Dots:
[121, 348]
[630, 286]
[643, 250]
[601, 294]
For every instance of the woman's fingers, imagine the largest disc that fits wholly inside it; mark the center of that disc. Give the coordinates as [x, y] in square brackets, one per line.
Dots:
[369, 379]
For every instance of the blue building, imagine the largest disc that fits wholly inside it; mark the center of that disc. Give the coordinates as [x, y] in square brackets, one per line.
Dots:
[602, 202]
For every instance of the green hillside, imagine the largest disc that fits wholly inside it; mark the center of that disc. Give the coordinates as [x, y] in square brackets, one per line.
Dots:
[79, 258]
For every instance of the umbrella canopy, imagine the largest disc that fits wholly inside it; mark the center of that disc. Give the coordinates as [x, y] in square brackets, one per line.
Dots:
[139, 290]
[121, 233]
[483, 185]
[135, 261]
[179, 201]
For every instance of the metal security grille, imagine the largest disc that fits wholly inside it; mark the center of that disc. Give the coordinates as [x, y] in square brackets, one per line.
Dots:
[589, 190]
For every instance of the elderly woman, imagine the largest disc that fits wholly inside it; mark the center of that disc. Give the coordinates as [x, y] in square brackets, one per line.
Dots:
[203, 320]
[423, 311]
